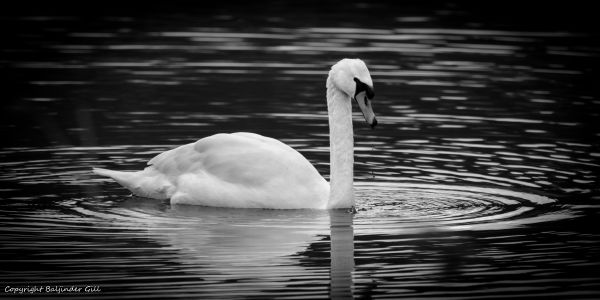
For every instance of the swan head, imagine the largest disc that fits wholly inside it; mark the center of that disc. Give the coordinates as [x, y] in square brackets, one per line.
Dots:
[352, 77]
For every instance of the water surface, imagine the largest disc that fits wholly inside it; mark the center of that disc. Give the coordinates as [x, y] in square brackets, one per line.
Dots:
[481, 180]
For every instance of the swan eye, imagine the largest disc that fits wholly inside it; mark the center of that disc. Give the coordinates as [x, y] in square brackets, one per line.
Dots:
[363, 87]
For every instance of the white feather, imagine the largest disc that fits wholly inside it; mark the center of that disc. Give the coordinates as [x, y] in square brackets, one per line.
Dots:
[247, 170]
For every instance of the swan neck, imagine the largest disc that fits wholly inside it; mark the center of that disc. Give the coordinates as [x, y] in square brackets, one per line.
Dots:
[341, 140]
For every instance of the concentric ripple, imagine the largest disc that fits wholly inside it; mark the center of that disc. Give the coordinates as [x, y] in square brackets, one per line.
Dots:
[480, 182]
[450, 207]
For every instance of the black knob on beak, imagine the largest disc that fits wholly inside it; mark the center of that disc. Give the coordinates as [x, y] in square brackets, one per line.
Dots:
[362, 87]
[370, 92]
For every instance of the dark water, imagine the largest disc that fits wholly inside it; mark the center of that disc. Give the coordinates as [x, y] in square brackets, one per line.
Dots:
[480, 182]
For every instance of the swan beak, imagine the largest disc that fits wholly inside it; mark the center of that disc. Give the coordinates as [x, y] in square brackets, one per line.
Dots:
[365, 106]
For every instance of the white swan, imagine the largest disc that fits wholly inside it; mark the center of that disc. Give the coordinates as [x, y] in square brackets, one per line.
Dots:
[247, 170]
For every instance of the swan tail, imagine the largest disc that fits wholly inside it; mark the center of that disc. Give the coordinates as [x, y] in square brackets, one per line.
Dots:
[140, 183]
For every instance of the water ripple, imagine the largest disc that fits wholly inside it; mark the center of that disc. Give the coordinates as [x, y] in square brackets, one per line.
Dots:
[480, 180]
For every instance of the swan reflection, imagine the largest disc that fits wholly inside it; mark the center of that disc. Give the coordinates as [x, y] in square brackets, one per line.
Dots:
[249, 245]
[342, 254]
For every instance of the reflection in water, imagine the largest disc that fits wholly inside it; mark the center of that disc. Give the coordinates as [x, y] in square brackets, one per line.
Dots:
[227, 239]
[481, 180]
[342, 254]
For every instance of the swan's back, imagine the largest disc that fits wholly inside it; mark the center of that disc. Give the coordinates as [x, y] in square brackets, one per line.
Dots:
[239, 170]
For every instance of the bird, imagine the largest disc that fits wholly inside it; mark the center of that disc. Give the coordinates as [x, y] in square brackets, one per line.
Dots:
[248, 170]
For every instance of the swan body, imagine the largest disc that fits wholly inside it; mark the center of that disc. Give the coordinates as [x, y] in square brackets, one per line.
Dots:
[230, 170]
[248, 170]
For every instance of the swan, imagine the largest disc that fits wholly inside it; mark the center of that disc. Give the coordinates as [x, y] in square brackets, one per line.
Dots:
[248, 170]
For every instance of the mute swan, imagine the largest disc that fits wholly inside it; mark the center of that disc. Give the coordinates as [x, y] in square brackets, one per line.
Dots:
[247, 170]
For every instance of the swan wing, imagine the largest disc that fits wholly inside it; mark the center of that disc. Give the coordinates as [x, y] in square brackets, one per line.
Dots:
[241, 170]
